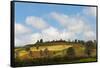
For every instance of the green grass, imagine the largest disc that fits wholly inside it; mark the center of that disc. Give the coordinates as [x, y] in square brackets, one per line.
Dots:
[88, 59]
[46, 61]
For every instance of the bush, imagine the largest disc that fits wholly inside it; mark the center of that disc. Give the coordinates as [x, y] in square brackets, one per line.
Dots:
[71, 52]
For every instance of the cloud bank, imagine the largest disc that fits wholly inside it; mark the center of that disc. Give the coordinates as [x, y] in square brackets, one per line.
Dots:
[73, 26]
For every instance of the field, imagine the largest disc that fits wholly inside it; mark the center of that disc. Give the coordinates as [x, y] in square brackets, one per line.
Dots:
[53, 53]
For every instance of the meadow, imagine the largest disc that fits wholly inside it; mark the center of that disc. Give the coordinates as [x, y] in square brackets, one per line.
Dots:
[58, 52]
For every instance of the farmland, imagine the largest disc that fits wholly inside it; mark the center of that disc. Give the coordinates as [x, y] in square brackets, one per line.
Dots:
[57, 52]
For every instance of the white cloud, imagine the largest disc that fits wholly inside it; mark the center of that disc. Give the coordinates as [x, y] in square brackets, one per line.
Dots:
[48, 34]
[17, 42]
[35, 37]
[67, 35]
[24, 39]
[61, 18]
[21, 34]
[90, 35]
[36, 22]
[52, 34]
[75, 25]
[21, 29]
[90, 11]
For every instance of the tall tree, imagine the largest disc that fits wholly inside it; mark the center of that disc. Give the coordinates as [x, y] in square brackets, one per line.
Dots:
[88, 47]
[75, 40]
[71, 52]
[37, 41]
[46, 52]
[41, 40]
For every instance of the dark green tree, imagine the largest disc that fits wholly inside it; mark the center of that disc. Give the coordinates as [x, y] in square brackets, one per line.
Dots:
[27, 48]
[41, 52]
[41, 40]
[79, 41]
[71, 52]
[76, 41]
[46, 52]
[37, 41]
[82, 42]
[88, 47]
[95, 43]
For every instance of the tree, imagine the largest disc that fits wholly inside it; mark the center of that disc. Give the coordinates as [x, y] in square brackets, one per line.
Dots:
[95, 43]
[88, 47]
[37, 47]
[30, 53]
[71, 52]
[37, 41]
[41, 53]
[46, 52]
[79, 41]
[41, 40]
[27, 48]
[75, 40]
[82, 42]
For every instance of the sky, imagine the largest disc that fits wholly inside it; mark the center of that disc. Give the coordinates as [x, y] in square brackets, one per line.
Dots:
[34, 21]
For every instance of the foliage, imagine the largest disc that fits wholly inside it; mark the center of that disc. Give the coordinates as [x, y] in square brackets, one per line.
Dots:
[41, 40]
[71, 52]
[65, 54]
[75, 40]
[89, 46]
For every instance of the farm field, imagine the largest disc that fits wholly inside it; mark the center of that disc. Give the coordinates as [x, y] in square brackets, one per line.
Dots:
[53, 54]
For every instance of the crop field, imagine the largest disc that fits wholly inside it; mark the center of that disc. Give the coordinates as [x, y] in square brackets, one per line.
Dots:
[53, 54]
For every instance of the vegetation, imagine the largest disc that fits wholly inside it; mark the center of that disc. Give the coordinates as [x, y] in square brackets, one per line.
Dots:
[71, 52]
[56, 52]
[89, 47]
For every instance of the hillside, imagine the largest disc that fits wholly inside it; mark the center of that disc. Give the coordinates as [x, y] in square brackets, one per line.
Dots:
[54, 52]
[54, 49]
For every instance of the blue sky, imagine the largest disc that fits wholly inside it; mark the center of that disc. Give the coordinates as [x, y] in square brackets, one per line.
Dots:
[22, 10]
[62, 19]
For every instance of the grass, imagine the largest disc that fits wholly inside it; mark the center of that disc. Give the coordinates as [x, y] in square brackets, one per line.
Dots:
[58, 53]
[48, 61]
[87, 59]
[51, 48]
